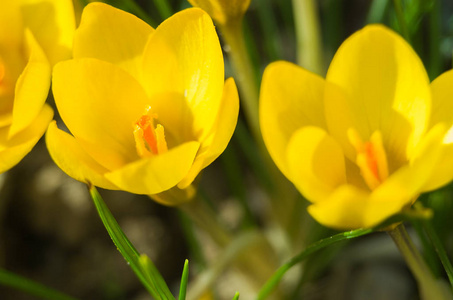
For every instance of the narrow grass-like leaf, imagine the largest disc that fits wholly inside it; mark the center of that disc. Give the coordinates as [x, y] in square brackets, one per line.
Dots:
[155, 278]
[431, 232]
[236, 296]
[142, 266]
[30, 287]
[270, 285]
[184, 281]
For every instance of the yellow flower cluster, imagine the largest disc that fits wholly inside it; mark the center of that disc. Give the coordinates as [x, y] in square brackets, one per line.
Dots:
[147, 109]
[34, 35]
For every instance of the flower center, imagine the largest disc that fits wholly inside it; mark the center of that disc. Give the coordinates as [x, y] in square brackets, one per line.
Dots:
[149, 139]
[371, 157]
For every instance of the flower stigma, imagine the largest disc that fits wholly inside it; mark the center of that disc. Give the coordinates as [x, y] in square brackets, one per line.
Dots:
[149, 139]
[370, 157]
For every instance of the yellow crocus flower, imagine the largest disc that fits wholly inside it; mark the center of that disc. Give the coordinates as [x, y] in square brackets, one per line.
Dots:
[364, 142]
[34, 34]
[148, 108]
[223, 11]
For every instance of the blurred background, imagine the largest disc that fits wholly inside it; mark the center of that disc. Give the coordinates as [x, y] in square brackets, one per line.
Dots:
[51, 233]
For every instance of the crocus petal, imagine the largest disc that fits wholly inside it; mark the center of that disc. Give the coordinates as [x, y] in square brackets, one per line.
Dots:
[32, 87]
[74, 161]
[53, 24]
[11, 31]
[183, 73]
[99, 103]
[443, 173]
[14, 149]
[384, 86]
[316, 163]
[350, 207]
[442, 107]
[291, 98]
[442, 99]
[343, 209]
[223, 11]
[221, 134]
[402, 187]
[112, 35]
[158, 173]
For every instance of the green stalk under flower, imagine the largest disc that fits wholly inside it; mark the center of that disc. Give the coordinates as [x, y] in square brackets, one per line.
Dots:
[430, 288]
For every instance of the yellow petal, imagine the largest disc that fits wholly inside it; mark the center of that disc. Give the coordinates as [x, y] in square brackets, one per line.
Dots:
[12, 64]
[158, 173]
[73, 160]
[316, 163]
[401, 189]
[344, 209]
[175, 195]
[290, 98]
[442, 107]
[32, 87]
[99, 103]
[220, 135]
[442, 99]
[350, 207]
[53, 24]
[184, 75]
[443, 168]
[11, 29]
[223, 11]
[377, 82]
[14, 149]
[112, 35]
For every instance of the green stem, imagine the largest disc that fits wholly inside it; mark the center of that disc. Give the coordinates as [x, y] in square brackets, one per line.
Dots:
[439, 249]
[235, 178]
[164, 8]
[195, 249]
[133, 7]
[249, 262]
[429, 287]
[245, 75]
[309, 48]
[377, 11]
[435, 65]
[398, 6]
[205, 218]
[272, 39]
[248, 85]
[240, 245]
[31, 287]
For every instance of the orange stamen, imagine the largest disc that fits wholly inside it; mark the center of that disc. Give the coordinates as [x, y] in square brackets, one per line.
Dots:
[371, 158]
[149, 140]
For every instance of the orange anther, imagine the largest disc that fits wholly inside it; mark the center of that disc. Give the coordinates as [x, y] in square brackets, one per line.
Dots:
[149, 139]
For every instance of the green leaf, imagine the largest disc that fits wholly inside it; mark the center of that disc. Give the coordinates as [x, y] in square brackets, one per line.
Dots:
[184, 280]
[236, 296]
[270, 285]
[437, 243]
[141, 265]
[29, 286]
[164, 8]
